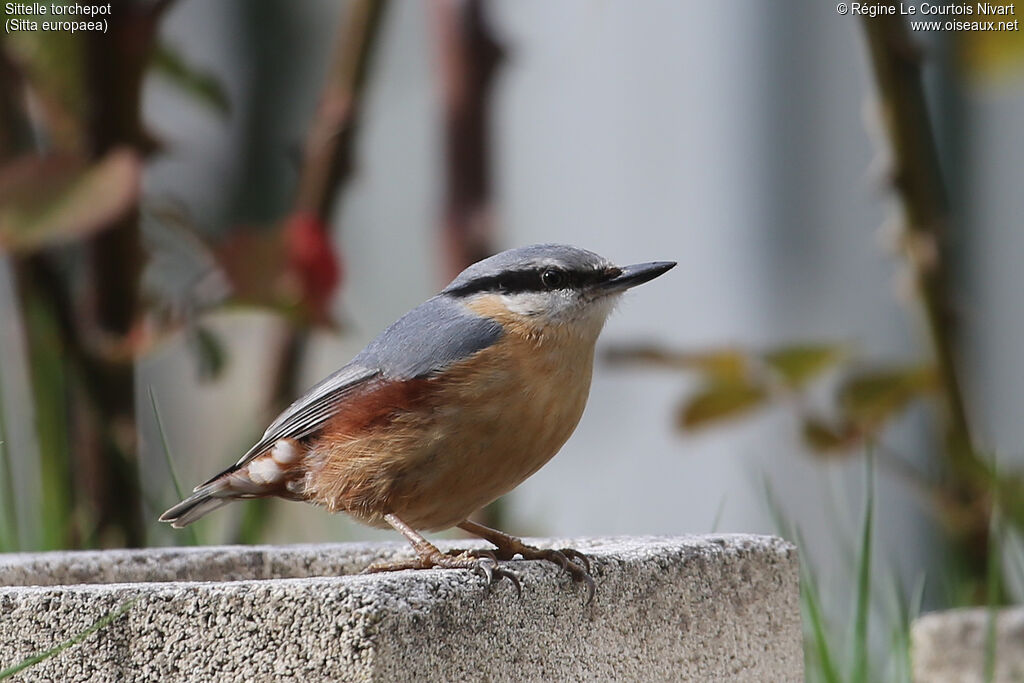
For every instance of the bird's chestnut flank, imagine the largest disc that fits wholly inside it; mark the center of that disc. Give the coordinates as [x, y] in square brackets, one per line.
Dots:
[451, 407]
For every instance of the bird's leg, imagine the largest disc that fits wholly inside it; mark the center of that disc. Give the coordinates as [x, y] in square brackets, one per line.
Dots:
[507, 547]
[429, 557]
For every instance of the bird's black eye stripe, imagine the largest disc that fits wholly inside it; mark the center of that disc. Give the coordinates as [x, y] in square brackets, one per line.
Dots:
[535, 280]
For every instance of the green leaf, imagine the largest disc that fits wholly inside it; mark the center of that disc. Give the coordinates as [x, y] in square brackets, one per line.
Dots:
[725, 366]
[989, 54]
[55, 65]
[58, 199]
[201, 85]
[798, 365]
[210, 353]
[717, 365]
[824, 438]
[720, 401]
[725, 363]
[870, 398]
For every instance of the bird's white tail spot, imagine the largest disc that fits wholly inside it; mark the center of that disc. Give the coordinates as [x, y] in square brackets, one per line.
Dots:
[264, 470]
[285, 452]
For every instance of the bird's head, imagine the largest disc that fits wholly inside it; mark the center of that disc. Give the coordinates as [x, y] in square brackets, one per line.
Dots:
[547, 285]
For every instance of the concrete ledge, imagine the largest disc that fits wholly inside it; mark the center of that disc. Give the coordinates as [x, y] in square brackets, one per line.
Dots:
[949, 646]
[692, 608]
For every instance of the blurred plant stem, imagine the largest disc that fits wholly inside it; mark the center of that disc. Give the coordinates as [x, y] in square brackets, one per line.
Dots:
[468, 57]
[82, 305]
[917, 180]
[9, 533]
[15, 130]
[327, 164]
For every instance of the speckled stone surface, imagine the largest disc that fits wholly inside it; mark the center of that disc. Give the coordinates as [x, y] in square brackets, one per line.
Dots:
[949, 646]
[722, 608]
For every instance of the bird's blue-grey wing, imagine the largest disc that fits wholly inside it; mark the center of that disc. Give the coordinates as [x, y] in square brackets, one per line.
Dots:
[429, 338]
[424, 341]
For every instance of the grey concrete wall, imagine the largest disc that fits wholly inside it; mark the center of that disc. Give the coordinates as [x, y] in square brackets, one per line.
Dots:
[950, 646]
[691, 608]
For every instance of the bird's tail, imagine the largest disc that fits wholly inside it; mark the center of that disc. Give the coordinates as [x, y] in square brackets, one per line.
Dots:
[230, 485]
[206, 499]
[267, 474]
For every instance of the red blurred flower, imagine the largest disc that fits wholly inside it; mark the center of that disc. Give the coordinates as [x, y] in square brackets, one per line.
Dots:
[312, 259]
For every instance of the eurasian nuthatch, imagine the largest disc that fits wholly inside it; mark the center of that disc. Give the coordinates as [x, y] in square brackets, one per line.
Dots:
[451, 407]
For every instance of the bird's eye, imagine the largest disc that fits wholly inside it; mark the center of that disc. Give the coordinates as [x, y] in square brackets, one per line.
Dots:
[553, 278]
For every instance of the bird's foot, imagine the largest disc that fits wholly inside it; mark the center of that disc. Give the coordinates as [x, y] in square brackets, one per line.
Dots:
[485, 565]
[573, 562]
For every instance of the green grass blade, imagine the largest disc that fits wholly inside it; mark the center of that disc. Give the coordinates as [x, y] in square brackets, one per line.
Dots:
[859, 673]
[994, 590]
[718, 515]
[193, 534]
[782, 525]
[9, 535]
[909, 607]
[1014, 551]
[253, 523]
[811, 598]
[898, 617]
[913, 612]
[49, 377]
[70, 642]
[818, 640]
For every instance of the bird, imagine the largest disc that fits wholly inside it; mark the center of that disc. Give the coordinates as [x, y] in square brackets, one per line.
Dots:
[451, 407]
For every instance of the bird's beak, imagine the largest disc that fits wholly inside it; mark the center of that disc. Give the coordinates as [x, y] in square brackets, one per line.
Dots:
[636, 274]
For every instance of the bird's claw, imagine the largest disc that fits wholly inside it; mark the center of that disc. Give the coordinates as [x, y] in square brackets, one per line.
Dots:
[493, 573]
[486, 563]
[578, 557]
[573, 562]
[481, 561]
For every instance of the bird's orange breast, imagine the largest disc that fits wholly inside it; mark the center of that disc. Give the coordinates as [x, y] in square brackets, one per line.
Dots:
[434, 450]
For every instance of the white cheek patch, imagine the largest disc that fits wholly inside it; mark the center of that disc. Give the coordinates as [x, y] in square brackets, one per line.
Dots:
[553, 304]
[264, 471]
[526, 303]
[581, 316]
[285, 452]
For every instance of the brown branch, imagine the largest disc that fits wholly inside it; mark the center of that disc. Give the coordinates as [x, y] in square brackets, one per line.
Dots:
[917, 179]
[15, 129]
[468, 59]
[327, 163]
[328, 153]
[328, 159]
[968, 486]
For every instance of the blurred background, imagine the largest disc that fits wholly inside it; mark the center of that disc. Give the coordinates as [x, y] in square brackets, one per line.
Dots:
[213, 205]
